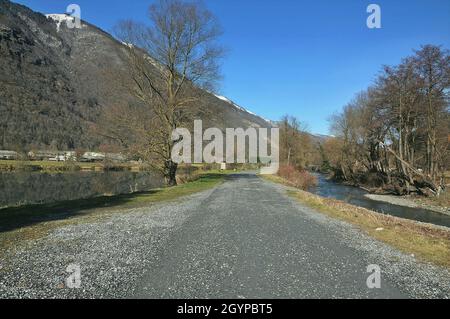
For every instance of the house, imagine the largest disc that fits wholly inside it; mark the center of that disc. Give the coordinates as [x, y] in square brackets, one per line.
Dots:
[92, 157]
[8, 155]
[54, 156]
[42, 155]
[64, 157]
[97, 157]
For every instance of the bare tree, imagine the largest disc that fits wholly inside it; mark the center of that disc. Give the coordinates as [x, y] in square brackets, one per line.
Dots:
[171, 60]
[433, 66]
[397, 132]
[296, 148]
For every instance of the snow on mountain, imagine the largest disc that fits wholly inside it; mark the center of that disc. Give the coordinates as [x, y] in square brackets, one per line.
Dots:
[223, 98]
[60, 18]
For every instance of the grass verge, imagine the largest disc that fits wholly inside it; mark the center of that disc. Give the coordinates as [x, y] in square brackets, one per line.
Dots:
[35, 221]
[425, 242]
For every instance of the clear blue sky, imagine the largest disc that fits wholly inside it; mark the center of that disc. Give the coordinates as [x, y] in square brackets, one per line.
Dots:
[305, 58]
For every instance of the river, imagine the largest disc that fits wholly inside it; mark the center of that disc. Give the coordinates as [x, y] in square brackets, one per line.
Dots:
[355, 196]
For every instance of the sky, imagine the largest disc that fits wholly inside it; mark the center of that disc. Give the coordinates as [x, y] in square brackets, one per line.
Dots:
[306, 58]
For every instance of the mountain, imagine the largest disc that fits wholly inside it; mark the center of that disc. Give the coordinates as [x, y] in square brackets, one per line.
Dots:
[319, 138]
[56, 82]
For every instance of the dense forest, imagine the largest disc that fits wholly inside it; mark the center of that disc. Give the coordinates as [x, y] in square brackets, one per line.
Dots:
[394, 136]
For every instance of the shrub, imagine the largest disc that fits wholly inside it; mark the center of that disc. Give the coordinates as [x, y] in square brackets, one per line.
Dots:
[298, 178]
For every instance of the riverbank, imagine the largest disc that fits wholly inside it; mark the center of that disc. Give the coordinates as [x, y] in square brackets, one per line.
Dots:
[49, 166]
[429, 243]
[413, 202]
[439, 204]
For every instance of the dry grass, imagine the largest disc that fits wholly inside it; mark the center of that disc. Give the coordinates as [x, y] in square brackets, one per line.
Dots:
[426, 242]
[447, 177]
[442, 201]
[299, 179]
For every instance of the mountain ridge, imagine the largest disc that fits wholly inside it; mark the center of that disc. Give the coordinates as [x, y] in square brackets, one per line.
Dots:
[56, 82]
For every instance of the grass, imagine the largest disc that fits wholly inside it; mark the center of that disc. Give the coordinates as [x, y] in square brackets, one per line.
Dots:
[447, 177]
[442, 201]
[35, 221]
[425, 242]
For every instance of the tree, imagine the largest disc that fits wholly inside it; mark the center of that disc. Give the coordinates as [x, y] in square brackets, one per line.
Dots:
[433, 67]
[295, 143]
[398, 130]
[170, 60]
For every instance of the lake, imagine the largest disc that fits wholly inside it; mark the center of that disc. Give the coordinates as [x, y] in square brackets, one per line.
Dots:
[23, 188]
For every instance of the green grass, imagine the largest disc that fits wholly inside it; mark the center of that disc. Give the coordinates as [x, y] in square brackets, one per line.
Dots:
[35, 221]
[426, 242]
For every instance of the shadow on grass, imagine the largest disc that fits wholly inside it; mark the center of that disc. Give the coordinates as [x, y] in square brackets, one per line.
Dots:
[18, 217]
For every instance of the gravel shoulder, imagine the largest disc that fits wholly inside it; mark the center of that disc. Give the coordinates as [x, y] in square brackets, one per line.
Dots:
[243, 239]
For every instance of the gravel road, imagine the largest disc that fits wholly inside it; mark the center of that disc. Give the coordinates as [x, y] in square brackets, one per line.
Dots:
[242, 239]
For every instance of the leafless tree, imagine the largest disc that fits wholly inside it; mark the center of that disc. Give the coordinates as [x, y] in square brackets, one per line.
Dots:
[398, 130]
[433, 67]
[296, 148]
[173, 59]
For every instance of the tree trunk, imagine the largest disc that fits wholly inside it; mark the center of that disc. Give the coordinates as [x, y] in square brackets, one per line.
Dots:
[170, 173]
[289, 157]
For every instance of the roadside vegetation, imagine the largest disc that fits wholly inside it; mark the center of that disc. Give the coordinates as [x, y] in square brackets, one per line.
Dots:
[426, 242]
[301, 179]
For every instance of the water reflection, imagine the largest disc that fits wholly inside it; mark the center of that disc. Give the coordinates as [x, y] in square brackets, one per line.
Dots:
[21, 188]
[355, 196]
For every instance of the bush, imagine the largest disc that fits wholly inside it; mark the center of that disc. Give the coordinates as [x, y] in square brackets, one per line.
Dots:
[298, 178]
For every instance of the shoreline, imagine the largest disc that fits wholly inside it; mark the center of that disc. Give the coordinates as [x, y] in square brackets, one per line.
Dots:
[406, 201]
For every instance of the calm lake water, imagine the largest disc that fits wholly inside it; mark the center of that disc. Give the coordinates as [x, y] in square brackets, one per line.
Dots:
[355, 196]
[22, 188]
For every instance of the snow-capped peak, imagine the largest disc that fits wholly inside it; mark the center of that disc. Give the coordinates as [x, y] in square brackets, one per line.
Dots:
[127, 44]
[60, 18]
[223, 98]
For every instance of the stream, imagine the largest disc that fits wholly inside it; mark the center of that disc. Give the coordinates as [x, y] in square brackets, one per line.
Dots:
[355, 196]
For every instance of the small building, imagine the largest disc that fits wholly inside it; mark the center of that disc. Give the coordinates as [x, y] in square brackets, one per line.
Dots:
[8, 155]
[93, 157]
[42, 155]
[64, 157]
[54, 156]
[116, 157]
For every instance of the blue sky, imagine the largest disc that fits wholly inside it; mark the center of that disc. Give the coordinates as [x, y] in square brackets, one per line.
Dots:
[305, 58]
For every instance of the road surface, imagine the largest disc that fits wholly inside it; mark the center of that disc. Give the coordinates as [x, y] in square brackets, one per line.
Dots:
[244, 239]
